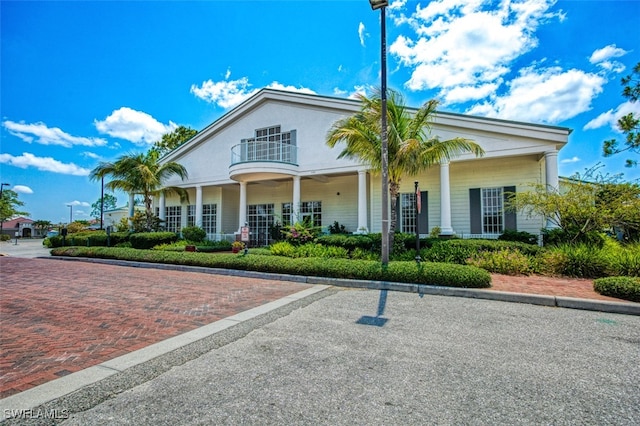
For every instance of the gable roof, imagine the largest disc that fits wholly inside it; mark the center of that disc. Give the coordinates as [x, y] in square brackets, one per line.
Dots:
[349, 106]
[13, 223]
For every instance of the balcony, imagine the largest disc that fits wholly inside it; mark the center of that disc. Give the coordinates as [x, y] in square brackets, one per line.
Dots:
[251, 152]
[263, 160]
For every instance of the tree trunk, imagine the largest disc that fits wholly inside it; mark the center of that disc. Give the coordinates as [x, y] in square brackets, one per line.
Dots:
[394, 189]
[149, 211]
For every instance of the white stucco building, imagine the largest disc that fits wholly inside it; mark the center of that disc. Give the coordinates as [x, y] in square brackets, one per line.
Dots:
[266, 161]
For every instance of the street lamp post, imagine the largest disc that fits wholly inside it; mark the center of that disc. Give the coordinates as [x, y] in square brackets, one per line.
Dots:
[382, 4]
[2, 185]
[70, 213]
[102, 203]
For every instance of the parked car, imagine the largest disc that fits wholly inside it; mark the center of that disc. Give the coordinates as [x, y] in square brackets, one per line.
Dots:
[52, 234]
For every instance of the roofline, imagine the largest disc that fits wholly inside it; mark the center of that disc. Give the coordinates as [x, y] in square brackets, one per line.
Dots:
[347, 104]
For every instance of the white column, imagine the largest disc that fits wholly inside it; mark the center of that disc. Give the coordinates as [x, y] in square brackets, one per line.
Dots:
[445, 200]
[362, 202]
[295, 208]
[551, 170]
[242, 216]
[198, 218]
[131, 209]
[551, 176]
[162, 211]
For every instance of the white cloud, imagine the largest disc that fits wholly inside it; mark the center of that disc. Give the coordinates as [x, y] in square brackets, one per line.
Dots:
[225, 94]
[22, 189]
[358, 90]
[362, 34]
[134, 126]
[40, 133]
[606, 53]
[230, 93]
[78, 203]
[571, 160]
[277, 86]
[91, 155]
[549, 95]
[46, 164]
[611, 117]
[462, 46]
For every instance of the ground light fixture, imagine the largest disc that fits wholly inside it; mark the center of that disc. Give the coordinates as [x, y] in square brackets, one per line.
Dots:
[382, 4]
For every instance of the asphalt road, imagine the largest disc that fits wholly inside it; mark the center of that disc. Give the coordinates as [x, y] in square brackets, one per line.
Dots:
[371, 357]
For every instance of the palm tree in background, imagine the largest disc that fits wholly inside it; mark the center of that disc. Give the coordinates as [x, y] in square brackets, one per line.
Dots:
[142, 174]
[411, 148]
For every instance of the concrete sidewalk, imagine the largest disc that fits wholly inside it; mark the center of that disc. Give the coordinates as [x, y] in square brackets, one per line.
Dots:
[28, 248]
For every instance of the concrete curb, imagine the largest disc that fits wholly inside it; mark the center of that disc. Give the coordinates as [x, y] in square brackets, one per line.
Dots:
[626, 308]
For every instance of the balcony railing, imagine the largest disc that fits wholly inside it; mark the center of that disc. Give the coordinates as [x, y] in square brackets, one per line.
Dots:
[248, 152]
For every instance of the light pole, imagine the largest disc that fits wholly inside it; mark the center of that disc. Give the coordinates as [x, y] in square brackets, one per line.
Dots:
[382, 4]
[70, 213]
[102, 203]
[2, 185]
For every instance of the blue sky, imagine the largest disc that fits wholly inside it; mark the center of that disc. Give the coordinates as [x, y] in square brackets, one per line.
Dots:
[88, 81]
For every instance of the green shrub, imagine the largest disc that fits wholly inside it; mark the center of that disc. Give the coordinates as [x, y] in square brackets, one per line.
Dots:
[213, 246]
[362, 254]
[458, 251]
[350, 242]
[577, 260]
[194, 234]
[623, 260]
[282, 248]
[5, 237]
[408, 272]
[148, 240]
[504, 261]
[93, 238]
[336, 228]
[521, 236]
[558, 236]
[626, 288]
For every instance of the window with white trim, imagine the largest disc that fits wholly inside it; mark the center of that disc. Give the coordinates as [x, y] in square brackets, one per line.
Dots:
[310, 212]
[209, 217]
[191, 215]
[173, 218]
[492, 211]
[407, 212]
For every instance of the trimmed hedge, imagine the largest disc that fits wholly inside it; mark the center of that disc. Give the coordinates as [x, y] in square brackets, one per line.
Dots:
[458, 251]
[627, 288]
[90, 239]
[148, 240]
[407, 272]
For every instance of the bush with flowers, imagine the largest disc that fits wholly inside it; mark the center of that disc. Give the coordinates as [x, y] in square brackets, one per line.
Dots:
[301, 233]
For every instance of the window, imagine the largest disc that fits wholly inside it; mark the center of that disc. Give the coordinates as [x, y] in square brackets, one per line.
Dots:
[191, 215]
[260, 217]
[492, 211]
[268, 145]
[310, 212]
[209, 215]
[407, 212]
[173, 218]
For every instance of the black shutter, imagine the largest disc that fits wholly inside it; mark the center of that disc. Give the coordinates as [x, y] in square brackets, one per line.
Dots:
[510, 222]
[423, 217]
[475, 210]
[398, 215]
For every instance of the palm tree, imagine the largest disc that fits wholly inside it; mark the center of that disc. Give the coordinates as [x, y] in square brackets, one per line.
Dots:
[142, 174]
[411, 148]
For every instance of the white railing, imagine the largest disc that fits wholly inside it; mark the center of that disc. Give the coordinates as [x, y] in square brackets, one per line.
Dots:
[264, 151]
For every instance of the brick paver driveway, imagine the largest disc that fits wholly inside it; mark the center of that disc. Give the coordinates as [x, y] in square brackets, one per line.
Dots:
[59, 317]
